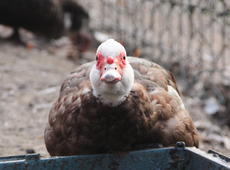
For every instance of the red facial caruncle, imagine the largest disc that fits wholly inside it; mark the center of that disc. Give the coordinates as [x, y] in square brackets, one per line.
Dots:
[100, 61]
[122, 60]
[109, 63]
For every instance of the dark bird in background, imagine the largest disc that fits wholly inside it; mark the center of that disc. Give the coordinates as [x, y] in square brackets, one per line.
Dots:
[43, 17]
[115, 104]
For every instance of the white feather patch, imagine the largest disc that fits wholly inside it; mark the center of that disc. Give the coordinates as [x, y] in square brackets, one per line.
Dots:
[173, 92]
[85, 90]
[111, 48]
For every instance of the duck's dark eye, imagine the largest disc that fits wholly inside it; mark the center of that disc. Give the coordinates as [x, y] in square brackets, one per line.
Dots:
[96, 57]
[124, 57]
[105, 68]
[115, 68]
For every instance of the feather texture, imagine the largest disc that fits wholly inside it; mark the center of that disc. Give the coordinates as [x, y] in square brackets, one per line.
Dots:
[152, 113]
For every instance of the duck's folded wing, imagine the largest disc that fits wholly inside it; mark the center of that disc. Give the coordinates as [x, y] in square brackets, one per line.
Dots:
[64, 114]
[173, 122]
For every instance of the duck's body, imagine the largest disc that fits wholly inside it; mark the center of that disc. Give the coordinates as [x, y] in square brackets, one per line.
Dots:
[152, 112]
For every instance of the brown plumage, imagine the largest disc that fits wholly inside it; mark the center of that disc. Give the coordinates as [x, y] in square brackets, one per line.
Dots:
[152, 113]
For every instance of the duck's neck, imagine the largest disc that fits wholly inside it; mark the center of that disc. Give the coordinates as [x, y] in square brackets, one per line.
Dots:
[112, 93]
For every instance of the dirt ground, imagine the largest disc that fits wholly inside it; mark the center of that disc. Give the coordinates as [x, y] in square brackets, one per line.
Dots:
[30, 80]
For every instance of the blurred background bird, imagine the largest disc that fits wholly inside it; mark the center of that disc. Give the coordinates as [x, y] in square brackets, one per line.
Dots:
[50, 19]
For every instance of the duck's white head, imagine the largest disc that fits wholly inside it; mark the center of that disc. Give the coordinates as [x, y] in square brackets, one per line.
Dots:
[112, 76]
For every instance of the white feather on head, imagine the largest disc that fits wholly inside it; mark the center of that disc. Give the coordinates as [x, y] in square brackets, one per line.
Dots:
[111, 48]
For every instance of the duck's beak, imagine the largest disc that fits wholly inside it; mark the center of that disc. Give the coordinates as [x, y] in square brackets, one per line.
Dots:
[111, 75]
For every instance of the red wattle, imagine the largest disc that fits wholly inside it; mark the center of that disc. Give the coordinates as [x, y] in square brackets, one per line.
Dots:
[110, 60]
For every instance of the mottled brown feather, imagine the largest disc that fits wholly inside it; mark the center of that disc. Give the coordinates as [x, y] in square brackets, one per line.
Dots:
[80, 124]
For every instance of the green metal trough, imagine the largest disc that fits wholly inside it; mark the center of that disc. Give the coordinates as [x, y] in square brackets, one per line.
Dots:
[178, 158]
